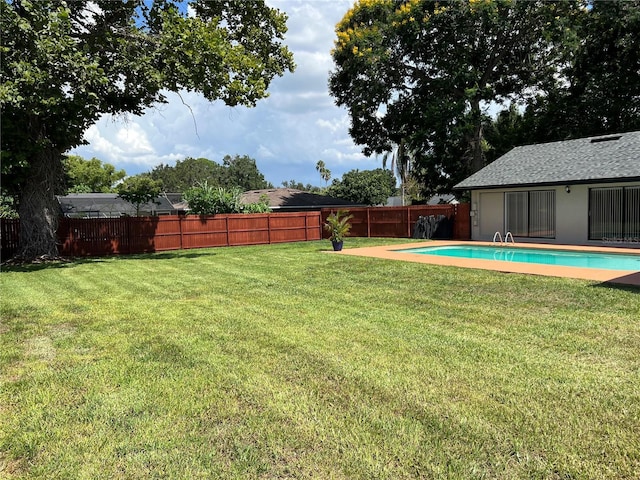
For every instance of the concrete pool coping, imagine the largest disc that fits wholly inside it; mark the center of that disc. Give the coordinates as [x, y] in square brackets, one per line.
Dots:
[392, 252]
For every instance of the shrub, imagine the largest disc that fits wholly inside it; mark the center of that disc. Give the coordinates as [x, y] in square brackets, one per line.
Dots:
[338, 226]
[259, 207]
[204, 199]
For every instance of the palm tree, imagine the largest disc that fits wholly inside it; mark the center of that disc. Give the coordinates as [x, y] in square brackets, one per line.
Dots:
[324, 172]
[401, 158]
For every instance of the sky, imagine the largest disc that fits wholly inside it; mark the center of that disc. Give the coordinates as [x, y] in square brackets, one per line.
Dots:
[286, 133]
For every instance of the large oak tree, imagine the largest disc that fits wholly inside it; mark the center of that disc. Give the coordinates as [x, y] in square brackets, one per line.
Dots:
[64, 64]
[420, 73]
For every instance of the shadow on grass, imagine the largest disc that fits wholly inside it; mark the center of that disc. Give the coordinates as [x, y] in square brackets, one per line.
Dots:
[71, 262]
[322, 246]
[36, 267]
[195, 253]
[629, 282]
[619, 286]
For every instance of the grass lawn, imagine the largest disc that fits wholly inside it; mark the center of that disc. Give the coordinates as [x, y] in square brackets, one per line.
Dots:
[285, 361]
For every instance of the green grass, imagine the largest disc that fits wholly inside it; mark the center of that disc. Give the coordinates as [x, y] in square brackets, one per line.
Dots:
[285, 361]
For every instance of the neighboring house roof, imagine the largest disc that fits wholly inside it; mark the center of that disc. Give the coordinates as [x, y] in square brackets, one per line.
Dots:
[396, 201]
[108, 205]
[291, 199]
[605, 159]
[446, 199]
[177, 201]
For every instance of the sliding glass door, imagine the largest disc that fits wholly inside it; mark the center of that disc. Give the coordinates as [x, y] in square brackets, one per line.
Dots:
[531, 213]
[614, 214]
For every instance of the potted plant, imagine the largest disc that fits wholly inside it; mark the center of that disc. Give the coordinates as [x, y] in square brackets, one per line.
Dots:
[338, 226]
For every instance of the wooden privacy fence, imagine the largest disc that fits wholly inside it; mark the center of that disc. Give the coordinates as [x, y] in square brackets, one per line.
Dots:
[127, 235]
[399, 222]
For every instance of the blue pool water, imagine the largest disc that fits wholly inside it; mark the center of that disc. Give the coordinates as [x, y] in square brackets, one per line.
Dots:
[563, 258]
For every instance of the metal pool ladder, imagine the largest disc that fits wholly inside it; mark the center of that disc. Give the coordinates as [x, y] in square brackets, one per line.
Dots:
[506, 238]
[497, 238]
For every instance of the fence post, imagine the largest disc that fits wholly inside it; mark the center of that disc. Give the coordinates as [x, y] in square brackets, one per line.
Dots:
[180, 227]
[128, 223]
[368, 223]
[408, 222]
[269, 228]
[456, 219]
[226, 223]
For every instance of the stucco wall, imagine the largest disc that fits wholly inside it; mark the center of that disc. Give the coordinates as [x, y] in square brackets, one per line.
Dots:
[572, 214]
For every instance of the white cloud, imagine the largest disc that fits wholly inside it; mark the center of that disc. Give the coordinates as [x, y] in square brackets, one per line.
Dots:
[338, 124]
[264, 152]
[329, 125]
[343, 156]
[133, 141]
[101, 145]
[122, 143]
[286, 133]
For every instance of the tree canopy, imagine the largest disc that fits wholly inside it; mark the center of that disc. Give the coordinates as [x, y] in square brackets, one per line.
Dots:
[64, 64]
[367, 187]
[598, 91]
[138, 190]
[187, 173]
[242, 172]
[421, 73]
[295, 185]
[86, 176]
[235, 172]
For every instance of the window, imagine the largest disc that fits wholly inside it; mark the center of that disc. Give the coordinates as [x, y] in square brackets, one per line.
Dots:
[614, 214]
[531, 214]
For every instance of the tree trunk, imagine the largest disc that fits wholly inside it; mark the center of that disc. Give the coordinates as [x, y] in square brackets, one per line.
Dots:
[477, 155]
[38, 207]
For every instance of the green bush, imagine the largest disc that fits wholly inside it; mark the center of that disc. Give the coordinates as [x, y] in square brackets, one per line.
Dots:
[205, 199]
[256, 208]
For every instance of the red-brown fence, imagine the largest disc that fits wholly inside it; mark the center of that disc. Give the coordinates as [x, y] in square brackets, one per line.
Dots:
[106, 236]
[9, 237]
[399, 222]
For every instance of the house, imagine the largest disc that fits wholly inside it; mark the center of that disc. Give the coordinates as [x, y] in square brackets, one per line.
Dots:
[584, 192]
[109, 205]
[292, 200]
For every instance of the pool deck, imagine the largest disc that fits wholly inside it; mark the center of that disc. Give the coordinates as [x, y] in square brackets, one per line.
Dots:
[391, 252]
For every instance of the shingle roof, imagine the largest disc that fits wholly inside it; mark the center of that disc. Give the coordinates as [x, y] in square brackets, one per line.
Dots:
[586, 160]
[289, 198]
[107, 205]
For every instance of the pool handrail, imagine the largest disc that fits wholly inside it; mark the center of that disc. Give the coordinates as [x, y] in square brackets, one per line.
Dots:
[506, 238]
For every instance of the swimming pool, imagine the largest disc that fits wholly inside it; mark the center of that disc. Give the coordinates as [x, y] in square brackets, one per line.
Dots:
[565, 258]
